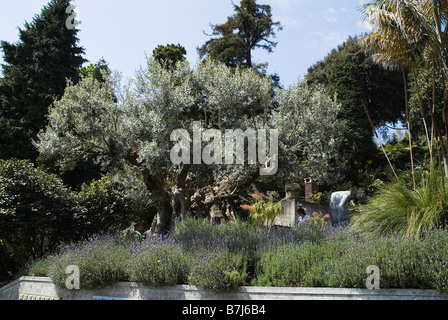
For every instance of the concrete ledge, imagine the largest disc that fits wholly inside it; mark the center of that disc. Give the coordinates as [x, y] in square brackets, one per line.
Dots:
[44, 287]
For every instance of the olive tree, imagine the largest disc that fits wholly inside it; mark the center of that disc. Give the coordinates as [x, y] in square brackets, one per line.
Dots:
[311, 133]
[134, 123]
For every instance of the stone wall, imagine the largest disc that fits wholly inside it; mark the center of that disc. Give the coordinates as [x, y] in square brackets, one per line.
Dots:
[289, 218]
[43, 287]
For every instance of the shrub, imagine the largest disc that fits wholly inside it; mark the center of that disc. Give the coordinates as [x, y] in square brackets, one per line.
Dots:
[195, 234]
[296, 265]
[341, 260]
[41, 267]
[332, 248]
[114, 202]
[37, 212]
[159, 263]
[102, 260]
[284, 257]
[263, 212]
[435, 259]
[348, 269]
[313, 232]
[404, 263]
[218, 270]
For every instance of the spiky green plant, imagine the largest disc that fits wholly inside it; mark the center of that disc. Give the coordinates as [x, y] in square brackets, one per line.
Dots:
[399, 209]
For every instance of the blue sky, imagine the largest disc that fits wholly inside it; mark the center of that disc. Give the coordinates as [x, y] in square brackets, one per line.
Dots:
[122, 31]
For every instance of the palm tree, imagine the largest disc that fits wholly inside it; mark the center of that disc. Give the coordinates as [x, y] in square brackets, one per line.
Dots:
[390, 46]
[407, 33]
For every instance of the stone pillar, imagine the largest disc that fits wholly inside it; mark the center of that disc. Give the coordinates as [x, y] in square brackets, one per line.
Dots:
[311, 187]
[288, 219]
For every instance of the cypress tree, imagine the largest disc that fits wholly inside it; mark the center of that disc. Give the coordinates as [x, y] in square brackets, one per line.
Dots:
[35, 73]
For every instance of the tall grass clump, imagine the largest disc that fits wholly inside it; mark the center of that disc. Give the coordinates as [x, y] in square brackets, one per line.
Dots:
[400, 209]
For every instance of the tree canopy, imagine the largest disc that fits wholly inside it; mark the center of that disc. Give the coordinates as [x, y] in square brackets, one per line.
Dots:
[137, 128]
[35, 73]
[169, 54]
[352, 77]
[250, 28]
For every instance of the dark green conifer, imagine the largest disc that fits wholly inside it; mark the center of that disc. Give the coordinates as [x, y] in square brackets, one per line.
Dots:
[35, 73]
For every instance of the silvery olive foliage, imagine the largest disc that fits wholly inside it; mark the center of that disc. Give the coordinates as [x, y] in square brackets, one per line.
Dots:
[134, 123]
[89, 118]
[219, 96]
[310, 134]
[114, 122]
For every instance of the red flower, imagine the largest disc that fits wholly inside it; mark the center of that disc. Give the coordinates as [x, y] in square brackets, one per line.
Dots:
[246, 207]
[315, 214]
[256, 196]
[327, 216]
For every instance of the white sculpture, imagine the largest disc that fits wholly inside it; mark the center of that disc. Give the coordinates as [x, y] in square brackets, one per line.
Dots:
[338, 203]
[340, 199]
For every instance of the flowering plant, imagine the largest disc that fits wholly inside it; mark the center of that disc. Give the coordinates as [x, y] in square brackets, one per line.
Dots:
[319, 221]
[292, 187]
[263, 212]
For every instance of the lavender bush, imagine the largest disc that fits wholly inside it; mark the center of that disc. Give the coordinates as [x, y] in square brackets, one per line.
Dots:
[222, 258]
[102, 260]
[341, 261]
[158, 263]
[193, 234]
[219, 270]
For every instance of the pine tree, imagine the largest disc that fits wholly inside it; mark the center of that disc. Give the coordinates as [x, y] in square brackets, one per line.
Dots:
[170, 54]
[35, 73]
[250, 28]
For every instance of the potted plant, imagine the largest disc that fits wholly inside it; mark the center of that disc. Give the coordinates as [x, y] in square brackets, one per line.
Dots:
[292, 191]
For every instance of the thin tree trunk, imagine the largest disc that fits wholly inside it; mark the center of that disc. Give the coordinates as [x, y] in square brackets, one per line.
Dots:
[436, 131]
[409, 126]
[445, 113]
[249, 58]
[422, 112]
[445, 164]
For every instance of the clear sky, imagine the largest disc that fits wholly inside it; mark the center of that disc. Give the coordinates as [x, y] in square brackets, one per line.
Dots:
[122, 31]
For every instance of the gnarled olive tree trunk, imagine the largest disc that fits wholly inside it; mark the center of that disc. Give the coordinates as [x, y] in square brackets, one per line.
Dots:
[162, 198]
[185, 199]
